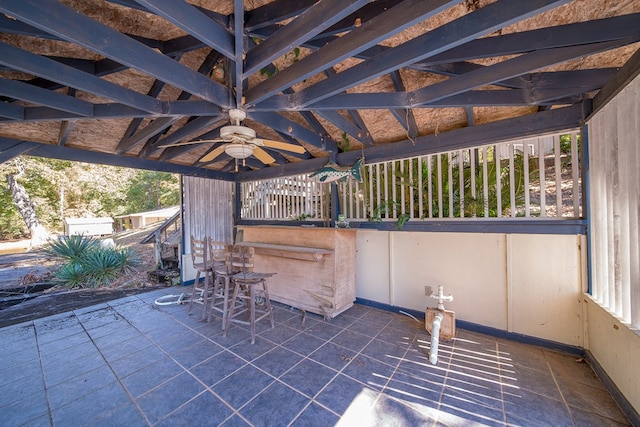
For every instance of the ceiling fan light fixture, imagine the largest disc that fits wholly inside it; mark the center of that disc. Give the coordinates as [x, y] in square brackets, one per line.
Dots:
[239, 151]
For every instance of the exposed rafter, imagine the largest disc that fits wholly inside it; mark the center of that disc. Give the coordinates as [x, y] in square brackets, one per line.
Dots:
[368, 77]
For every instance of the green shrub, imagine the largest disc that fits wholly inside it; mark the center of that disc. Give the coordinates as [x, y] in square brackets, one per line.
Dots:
[88, 264]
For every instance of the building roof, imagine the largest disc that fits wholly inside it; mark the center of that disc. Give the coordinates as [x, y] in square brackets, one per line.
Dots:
[121, 81]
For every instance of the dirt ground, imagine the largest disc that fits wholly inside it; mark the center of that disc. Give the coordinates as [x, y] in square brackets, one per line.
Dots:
[23, 275]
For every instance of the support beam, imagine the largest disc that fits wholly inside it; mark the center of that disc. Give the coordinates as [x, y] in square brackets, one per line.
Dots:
[466, 28]
[66, 23]
[193, 21]
[65, 153]
[10, 149]
[312, 21]
[49, 69]
[391, 22]
[35, 95]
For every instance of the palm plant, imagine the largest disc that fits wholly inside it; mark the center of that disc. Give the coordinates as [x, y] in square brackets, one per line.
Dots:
[88, 264]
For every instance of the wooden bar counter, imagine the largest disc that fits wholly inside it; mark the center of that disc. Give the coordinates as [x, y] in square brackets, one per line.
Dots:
[315, 266]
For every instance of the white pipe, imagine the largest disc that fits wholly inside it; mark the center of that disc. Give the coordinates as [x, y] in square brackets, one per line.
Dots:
[437, 320]
[435, 334]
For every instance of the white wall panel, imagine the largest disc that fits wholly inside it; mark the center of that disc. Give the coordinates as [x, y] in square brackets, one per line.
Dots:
[372, 265]
[528, 284]
[546, 287]
[470, 266]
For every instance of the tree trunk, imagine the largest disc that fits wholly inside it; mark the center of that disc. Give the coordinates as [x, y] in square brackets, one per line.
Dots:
[27, 210]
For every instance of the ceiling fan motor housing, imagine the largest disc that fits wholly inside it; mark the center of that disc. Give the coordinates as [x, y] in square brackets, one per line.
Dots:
[240, 132]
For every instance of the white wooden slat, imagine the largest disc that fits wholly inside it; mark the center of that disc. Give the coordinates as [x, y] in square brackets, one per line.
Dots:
[610, 159]
[512, 182]
[634, 200]
[420, 188]
[540, 142]
[439, 172]
[402, 184]
[525, 168]
[461, 163]
[450, 183]
[485, 182]
[472, 162]
[575, 175]
[558, 175]
[411, 163]
[497, 158]
[430, 184]
[626, 146]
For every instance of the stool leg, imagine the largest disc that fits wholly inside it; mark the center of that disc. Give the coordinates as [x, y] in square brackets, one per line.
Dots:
[252, 312]
[232, 304]
[193, 291]
[268, 302]
[225, 301]
[205, 297]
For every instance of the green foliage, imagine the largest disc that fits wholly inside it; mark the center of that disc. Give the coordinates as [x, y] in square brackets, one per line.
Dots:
[88, 264]
[345, 142]
[151, 190]
[72, 248]
[565, 143]
[61, 189]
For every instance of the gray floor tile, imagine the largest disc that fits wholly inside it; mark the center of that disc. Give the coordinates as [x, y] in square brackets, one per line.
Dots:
[164, 399]
[90, 406]
[204, 410]
[344, 393]
[78, 386]
[308, 377]
[197, 353]
[151, 376]
[277, 405]
[315, 415]
[277, 361]
[217, 367]
[241, 386]
[356, 379]
[20, 412]
[369, 371]
[303, 343]
[536, 409]
[333, 356]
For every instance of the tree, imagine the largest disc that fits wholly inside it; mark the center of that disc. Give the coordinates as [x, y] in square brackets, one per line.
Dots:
[26, 208]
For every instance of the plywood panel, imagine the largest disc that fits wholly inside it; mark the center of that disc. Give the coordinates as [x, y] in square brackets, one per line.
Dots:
[326, 287]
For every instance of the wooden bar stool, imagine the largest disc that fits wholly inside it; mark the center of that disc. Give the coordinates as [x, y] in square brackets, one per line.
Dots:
[202, 264]
[248, 286]
[222, 283]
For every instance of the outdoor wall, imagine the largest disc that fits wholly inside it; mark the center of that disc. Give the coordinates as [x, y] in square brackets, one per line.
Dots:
[616, 347]
[527, 284]
[613, 309]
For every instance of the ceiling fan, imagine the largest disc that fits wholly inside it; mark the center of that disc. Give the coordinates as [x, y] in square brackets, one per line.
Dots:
[241, 142]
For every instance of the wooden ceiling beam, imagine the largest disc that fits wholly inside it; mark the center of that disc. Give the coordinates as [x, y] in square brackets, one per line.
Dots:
[65, 22]
[32, 94]
[391, 22]
[306, 25]
[189, 18]
[455, 33]
[49, 69]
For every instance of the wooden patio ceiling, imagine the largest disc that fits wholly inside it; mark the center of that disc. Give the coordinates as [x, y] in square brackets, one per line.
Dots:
[114, 81]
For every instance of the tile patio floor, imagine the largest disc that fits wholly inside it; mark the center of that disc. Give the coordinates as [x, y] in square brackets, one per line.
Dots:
[131, 363]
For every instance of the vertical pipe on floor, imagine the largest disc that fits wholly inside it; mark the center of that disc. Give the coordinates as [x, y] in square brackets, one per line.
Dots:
[435, 335]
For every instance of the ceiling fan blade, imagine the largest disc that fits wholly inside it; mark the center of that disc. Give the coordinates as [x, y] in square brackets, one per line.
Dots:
[213, 154]
[178, 144]
[283, 146]
[263, 156]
